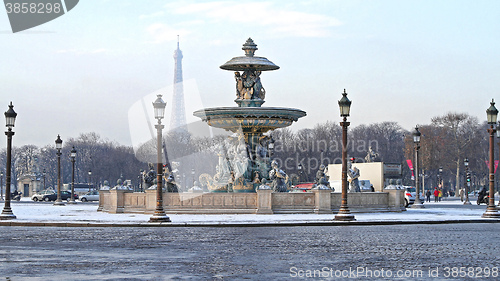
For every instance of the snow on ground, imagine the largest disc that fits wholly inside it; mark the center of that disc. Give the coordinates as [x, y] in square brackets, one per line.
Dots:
[44, 212]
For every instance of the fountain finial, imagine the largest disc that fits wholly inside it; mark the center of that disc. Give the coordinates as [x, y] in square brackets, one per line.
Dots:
[249, 47]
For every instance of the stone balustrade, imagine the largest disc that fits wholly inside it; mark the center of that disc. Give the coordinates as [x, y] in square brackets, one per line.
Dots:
[261, 202]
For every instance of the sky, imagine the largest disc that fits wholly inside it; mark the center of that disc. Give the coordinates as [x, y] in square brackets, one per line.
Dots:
[402, 61]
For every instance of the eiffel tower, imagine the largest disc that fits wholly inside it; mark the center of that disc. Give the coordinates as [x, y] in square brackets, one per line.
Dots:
[178, 117]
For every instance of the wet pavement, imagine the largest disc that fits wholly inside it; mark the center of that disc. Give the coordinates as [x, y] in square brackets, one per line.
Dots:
[405, 252]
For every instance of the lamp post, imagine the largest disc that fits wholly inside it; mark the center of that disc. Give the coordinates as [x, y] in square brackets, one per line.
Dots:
[72, 155]
[10, 118]
[90, 179]
[192, 176]
[1, 185]
[467, 181]
[140, 179]
[440, 178]
[418, 204]
[299, 167]
[491, 114]
[159, 111]
[59, 147]
[345, 105]
[271, 147]
[44, 175]
[498, 137]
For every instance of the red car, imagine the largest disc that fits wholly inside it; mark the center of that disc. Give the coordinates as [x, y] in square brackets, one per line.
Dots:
[304, 186]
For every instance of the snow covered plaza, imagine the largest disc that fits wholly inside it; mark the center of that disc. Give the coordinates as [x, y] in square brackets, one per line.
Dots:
[85, 214]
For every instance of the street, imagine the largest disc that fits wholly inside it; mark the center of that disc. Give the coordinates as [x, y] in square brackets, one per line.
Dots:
[406, 252]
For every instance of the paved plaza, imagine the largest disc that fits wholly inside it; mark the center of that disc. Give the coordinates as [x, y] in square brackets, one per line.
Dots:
[75, 242]
[388, 252]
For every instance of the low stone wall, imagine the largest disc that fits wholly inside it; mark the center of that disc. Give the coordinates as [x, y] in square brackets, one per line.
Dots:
[262, 202]
[210, 203]
[303, 202]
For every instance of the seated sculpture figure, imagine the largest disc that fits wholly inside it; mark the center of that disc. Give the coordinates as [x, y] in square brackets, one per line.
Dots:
[321, 177]
[149, 176]
[278, 176]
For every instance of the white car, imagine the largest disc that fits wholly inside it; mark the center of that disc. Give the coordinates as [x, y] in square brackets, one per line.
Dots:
[90, 196]
[411, 195]
[40, 196]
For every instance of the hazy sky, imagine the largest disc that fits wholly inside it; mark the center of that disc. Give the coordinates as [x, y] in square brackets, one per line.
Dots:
[403, 61]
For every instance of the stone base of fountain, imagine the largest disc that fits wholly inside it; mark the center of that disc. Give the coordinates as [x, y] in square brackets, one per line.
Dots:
[261, 202]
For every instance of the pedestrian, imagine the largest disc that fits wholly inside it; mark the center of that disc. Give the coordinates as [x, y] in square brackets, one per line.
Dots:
[428, 195]
[436, 194]
[440, 195]
[461, 195]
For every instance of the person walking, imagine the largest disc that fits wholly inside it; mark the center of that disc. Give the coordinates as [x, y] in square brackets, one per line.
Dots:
[436, 194]
[440, 195]
[428, 195]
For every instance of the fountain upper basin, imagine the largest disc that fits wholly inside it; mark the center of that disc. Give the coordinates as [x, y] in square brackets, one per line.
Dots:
[255, 119]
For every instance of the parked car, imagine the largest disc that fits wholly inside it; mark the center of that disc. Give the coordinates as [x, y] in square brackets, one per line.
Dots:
[411, 195]
[41, 195]
[90, 196]
[303, 187]
[65, 195]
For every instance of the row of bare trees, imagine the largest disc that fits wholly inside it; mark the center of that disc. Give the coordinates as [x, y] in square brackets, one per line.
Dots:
[445, 143]
[105, 159]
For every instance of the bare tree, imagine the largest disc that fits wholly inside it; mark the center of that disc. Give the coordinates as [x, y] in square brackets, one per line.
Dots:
[458, 132]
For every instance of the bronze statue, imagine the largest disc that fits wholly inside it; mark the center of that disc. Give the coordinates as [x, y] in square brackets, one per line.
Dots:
[248, 85]
[149, 176]
[371, 156]
[321, 177]
[279, 177]
[354, 174]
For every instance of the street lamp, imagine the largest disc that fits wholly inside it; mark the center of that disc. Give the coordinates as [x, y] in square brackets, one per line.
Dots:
[345, 105]
[159, 112]
[440, 175]
[299, 167]
[90, 179]
[72, 155]
[271, 147]
[59, 147]
[1, 184]
[491, 114]
[467, 181]
[440, 180]
[140, 179]
[44, 175]
[192, 175]
[416, 140]
[498, 137]
[10, 118]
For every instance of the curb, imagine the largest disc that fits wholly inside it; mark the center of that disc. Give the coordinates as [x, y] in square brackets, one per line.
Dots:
[258, 224]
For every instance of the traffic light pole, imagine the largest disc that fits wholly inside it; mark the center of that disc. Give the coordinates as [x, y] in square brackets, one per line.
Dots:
[467, 185]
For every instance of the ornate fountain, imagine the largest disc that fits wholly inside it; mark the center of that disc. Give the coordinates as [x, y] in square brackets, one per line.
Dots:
[245, 157]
